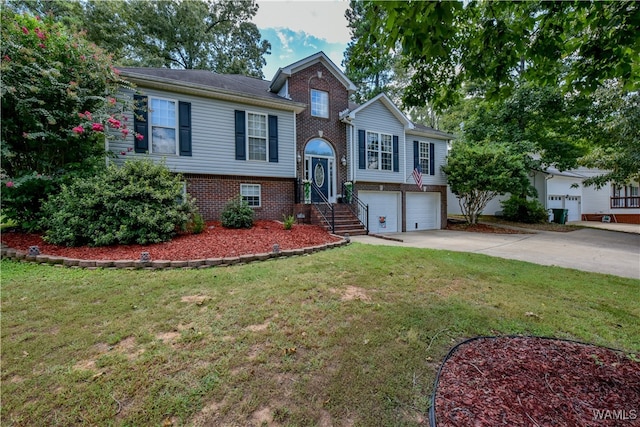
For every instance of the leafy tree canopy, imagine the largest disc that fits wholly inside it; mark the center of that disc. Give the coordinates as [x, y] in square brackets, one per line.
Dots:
[494, 45]
[195, 34]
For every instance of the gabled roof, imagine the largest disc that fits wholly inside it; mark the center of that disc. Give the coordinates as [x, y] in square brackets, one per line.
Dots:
[387, 102]
[284, 73]
[230, 87]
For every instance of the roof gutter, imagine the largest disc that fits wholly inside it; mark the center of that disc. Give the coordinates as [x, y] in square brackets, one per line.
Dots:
[211, 92]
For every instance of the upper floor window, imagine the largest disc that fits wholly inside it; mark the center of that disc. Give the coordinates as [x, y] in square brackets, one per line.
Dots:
[257, 136]
[162, 114]
[379, 151]
[423, 157]
[319, 103]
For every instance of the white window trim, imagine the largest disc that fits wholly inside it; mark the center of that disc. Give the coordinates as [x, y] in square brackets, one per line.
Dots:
[266, 139]
[427, 160]
[311, 103]
[248, 185]
[175, 128]
[379, 151]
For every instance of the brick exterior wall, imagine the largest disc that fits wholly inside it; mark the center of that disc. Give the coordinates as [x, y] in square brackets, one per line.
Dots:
[212, 192]
[308, 126]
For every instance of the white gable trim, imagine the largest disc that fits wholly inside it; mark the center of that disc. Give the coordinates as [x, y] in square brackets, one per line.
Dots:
[284, 73]
[388, 103]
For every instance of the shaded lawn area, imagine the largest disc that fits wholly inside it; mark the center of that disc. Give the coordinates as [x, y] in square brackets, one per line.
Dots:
[349, 336]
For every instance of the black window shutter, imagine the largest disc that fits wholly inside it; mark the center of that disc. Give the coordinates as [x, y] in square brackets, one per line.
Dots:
[396, 157]
[184, 121]
[140, 124]
[416, 154]
[241, 146]
[432, 159]
[273, 139]
[362, 151]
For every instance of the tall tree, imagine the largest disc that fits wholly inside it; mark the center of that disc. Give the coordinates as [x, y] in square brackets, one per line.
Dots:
[214, 35]
[371, 70]
[576, 45]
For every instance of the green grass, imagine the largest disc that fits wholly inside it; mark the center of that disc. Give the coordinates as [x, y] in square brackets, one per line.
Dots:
[350, 336]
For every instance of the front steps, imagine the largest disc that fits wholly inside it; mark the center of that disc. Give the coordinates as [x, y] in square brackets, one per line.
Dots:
[345, 221]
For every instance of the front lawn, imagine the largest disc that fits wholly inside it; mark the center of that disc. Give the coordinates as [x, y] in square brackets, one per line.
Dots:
[349, 336]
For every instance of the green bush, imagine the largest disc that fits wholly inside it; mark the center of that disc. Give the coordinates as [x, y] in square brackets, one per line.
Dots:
[288, 221]
[139, 202]
[22, 199]
[196, 223]
[237, 214]
[524, 210]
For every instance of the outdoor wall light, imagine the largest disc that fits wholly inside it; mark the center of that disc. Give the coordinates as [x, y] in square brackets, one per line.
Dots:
[343, 160]
[298, 157]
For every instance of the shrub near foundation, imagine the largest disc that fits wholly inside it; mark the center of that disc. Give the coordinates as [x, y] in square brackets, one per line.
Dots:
[139, 202]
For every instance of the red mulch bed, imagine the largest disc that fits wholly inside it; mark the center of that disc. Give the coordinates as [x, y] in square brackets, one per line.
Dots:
[528, 381]
[214, 242]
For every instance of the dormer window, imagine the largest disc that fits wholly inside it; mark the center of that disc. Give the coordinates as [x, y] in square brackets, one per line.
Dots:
[319, 103]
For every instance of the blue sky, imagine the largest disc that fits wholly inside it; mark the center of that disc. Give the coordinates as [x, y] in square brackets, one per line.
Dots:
[299, 28]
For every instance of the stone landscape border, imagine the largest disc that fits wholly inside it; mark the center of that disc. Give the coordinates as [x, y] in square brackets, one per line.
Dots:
[60, 261]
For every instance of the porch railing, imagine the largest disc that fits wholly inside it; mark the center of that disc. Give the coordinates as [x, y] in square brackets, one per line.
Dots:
[356, 206]
[323, 206]
[625, 202]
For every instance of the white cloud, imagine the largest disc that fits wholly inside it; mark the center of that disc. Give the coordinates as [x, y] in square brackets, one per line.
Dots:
[321, 19]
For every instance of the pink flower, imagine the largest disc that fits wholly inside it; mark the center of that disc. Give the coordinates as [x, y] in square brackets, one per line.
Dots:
[123, 153]
[87, 114]
[25, 30]
[125, 132]
[97, 127]
[114, 123]
[139, 137]
[129, 149]
[6, 58]
[10, 184]
[40, 34]
[41, 46]
[78, 129]
[112, 101]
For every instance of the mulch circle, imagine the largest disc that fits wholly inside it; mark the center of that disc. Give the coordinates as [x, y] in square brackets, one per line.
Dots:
[533, 381]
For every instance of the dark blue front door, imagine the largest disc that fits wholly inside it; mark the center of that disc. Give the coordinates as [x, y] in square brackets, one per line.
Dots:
[320, 177]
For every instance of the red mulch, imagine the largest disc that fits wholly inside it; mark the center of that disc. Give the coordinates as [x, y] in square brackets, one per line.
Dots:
[526, 381]
[214, 242]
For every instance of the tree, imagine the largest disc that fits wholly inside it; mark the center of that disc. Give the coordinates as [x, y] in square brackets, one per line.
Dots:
[478, 172]
[613, 126]
[58, 98]
[214, 35]
[494, 45]
[197, 34]
[370, 71]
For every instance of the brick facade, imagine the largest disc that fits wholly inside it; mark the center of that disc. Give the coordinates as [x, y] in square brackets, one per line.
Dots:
[212, 192]
[318, 77]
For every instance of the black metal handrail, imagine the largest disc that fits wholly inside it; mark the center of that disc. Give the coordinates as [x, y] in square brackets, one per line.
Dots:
[356, 206]
[324, 207]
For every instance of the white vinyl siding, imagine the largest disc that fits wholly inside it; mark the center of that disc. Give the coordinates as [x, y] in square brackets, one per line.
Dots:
[213, 140]
[439, 159]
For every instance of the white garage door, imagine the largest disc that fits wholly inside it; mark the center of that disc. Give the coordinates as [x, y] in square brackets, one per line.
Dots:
[384, 210]
[571, 203]
[423, 211]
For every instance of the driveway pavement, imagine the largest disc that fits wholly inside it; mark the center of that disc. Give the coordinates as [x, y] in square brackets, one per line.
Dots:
[587, 249]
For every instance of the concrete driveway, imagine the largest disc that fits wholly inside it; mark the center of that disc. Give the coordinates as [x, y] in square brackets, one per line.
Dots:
[587, 249]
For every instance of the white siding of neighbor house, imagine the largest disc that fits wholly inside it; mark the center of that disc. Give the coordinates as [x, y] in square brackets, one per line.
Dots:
[213, 140]
[377, 118]
[440, 155]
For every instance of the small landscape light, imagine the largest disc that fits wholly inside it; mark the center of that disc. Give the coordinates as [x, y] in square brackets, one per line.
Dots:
[34, 250]
[276, 248]
[145, 257]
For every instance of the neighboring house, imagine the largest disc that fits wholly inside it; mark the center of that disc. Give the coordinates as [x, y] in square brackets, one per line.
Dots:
[565, 190]
[232, 135]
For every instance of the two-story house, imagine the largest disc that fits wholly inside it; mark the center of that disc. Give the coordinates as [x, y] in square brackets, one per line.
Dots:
[268, 141]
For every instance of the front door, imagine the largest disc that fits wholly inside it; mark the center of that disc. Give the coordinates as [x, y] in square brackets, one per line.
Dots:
[320, 177]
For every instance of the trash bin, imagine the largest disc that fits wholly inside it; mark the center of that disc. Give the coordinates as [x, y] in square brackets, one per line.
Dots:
[560, 216]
